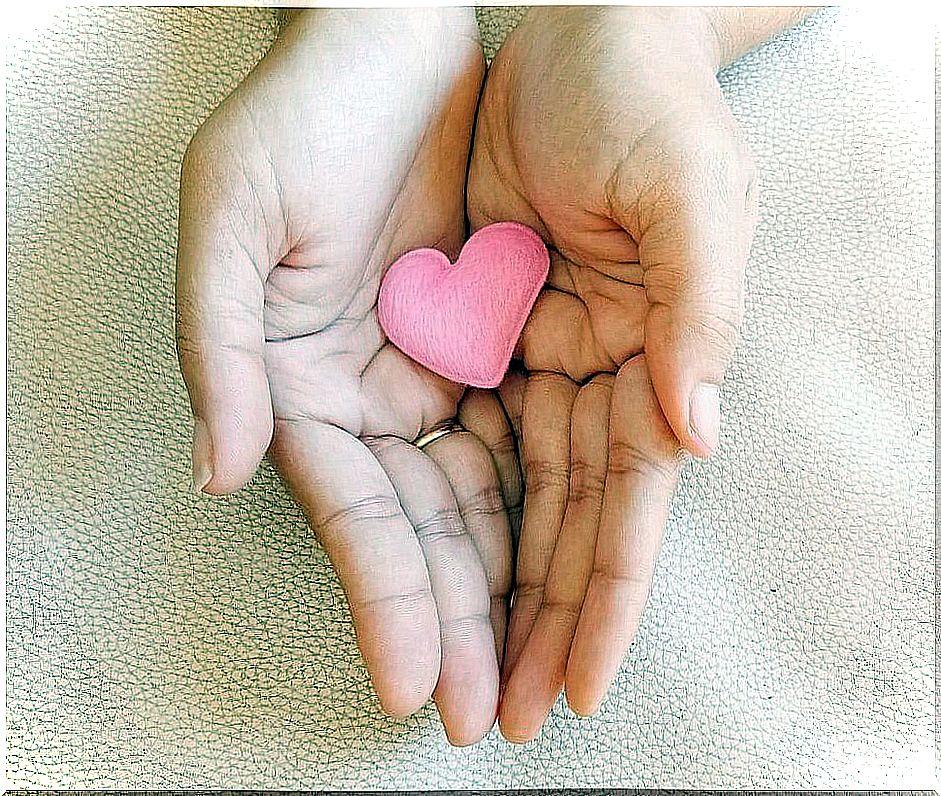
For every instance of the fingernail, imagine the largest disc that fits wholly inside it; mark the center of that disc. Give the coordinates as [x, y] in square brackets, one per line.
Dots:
[586, 712]
[202, 455]
[704, 414]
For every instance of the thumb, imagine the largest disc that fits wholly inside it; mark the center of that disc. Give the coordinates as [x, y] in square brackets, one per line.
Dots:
[222, 265]
[693, 249]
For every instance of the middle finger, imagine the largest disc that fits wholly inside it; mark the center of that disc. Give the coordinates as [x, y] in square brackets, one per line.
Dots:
[466, 692]
[540, 671]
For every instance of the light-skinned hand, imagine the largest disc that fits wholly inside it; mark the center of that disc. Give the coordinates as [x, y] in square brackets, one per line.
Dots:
[345, 147]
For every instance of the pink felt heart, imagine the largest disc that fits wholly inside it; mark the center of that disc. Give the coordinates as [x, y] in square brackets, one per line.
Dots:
[462, 321]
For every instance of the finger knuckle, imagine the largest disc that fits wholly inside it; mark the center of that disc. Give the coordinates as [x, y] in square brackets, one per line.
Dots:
[464, 630]
[587, 483]
[499, 581]
[542, 476]
[504, 445]
[635, 578]
[486, 501]
[442, 524]
[719, 163]
[720, 332]
[514, 514]
[360, 516]
[529, 590]
[406, 602]
[565, 610]
[626, 458]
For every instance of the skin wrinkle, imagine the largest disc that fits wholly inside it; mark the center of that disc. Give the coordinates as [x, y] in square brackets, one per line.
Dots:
[487, 501]
[586, 483]
[246, 350]
[379, 507]
[542, 475]
[529, 588]
[505, 444]
[713, 324]
[487, 142]
[624, 203]
[625, 458]
[237, 239]
[560, 273]
[510, 123]
[568, 610]
[249, 183]
[582, 292]
[638, 580]
[442, 524]
[599, 343]
[399, 600]
[457, 629]
[197, 170]
[274, 257]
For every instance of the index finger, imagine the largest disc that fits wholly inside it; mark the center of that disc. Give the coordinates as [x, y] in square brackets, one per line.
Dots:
[643, 466]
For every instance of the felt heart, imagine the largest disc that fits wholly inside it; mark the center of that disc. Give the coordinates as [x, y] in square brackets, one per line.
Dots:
[462, 321]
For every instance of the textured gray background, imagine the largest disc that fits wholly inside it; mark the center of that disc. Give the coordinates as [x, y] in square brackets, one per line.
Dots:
[157, 639]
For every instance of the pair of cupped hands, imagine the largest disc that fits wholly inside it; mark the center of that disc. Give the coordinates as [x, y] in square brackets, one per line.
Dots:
[364, 134]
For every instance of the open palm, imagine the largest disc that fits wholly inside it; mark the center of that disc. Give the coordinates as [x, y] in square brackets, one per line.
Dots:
[604, 129]
[327, 163]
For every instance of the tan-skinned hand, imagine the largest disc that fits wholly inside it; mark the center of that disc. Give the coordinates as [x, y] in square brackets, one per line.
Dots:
[604, 129]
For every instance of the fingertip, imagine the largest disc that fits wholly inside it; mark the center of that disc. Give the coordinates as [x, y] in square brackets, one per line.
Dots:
[226, 456]
[402, 701]
[515, 734]
[582, 704]
[685, 369]
[395, 709]
[694, 445]
[576, 694]
[404, 671]
[704, 419]
[698, 437]
[467, 693]
[461, 733]
[585, 711]
[525, 707]
[582, 689]
[466, 723]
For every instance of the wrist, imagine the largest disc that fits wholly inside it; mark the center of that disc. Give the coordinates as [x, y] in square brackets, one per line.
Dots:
[714, 35]
[435, 45]
[422, 23]
[687, 33]
[736, 30]
[654, 37]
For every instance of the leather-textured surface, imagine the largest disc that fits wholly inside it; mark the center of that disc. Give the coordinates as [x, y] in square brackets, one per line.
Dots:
[159, 639]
